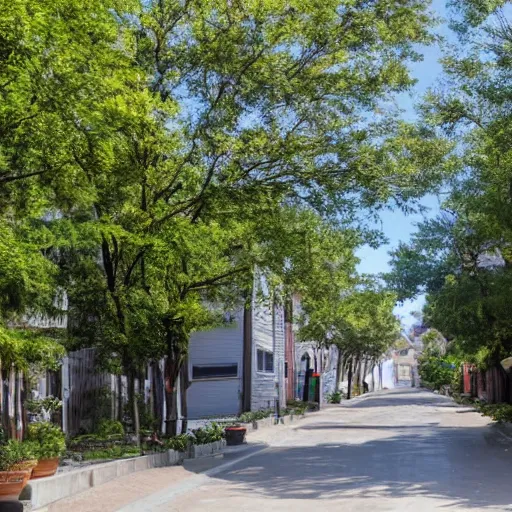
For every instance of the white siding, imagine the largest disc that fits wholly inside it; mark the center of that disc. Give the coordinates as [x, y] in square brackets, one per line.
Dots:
[268, 334]
[216, 397]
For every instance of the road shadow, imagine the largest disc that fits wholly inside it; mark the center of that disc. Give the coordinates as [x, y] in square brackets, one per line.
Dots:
[399, 398]
[455, 464]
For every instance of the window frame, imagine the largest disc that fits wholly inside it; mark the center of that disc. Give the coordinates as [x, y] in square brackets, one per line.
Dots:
[215, 377]
[266, 368]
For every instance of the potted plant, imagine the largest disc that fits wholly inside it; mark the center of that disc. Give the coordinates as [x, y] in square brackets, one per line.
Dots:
[235, 435]
[50, 445]
[17, 459]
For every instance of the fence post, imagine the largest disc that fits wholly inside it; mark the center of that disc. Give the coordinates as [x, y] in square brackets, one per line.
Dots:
[65, 394]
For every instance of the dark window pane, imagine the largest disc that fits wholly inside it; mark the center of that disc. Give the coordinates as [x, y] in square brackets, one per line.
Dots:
[286, 369]
[261, 366]
[269, 362]
[214, 372]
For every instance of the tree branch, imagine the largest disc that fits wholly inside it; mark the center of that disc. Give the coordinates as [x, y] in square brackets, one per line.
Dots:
[214, 280]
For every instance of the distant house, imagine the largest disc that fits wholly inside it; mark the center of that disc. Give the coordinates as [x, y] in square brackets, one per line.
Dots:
[240, 367]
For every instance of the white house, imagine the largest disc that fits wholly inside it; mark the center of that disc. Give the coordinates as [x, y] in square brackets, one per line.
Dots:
[240, 367]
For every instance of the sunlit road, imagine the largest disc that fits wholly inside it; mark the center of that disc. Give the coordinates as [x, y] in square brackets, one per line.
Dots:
[403, 450]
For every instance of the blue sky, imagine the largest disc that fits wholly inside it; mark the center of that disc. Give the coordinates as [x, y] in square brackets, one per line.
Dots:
[395, 225]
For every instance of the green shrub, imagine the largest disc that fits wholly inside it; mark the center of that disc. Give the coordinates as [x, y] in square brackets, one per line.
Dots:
[249, 417]
[436, 371]
[108, 428]
[179, 443]
[14, 455]
[49, 404]
[93, 441]
[49, 438]
[208, 434]
[116, 452]
[501, 413]
[334, 398]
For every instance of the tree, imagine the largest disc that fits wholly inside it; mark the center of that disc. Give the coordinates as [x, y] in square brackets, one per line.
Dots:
[231, 112]
[462, 259]
[56, 63]
[357, 319]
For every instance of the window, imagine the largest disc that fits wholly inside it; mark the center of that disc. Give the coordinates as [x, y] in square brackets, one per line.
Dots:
[286, 369]
[265, 361]
[218, 371]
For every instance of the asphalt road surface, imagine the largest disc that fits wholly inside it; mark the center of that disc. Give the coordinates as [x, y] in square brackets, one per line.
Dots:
[400, 450]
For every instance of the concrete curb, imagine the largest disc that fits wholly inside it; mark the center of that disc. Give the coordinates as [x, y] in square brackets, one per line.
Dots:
[44, 491]
[205, 450]
[272, 422]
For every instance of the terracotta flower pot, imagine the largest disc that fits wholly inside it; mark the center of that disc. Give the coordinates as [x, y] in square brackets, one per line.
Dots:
[45, 467]
[235, 435]
[12, 483]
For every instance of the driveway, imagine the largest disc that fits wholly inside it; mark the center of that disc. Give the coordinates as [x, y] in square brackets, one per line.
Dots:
[401, 450]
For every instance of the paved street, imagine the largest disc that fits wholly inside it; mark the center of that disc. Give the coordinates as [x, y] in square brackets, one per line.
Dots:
[402, 450]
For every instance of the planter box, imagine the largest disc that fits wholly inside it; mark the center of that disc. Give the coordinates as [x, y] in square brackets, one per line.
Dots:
[267, 422]
[43, 491]
[205, 450]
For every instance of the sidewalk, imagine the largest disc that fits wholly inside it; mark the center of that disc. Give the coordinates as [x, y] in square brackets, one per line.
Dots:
[123, 491]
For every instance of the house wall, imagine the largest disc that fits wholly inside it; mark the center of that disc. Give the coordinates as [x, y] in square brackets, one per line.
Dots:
[216, 397]
[268, 334]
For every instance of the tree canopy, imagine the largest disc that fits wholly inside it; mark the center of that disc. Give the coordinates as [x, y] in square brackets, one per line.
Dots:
[154, 153]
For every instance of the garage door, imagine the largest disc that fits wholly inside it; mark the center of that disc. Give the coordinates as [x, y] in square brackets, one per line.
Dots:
[207, 398]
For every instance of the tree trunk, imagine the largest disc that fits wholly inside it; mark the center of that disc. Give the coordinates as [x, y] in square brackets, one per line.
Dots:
[339, 366]
[184, 385]
[120, 398]
[364, 373]
[357, 374]
[349, 390]
[134, 406]
[177, 348]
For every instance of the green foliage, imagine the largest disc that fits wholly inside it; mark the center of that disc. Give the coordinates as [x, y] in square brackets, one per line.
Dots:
[249, 417]
[358, 320]
[501, 413]
[108, 428]
[115, 452]
[89, 442]
[50, 440]
[23, 347]
[49, 405]
[462, 259]
[208, 434]
[179, 443]
[190, 142]
[14, 455]
[436, 371]
[297, 407]
[334, 398]
[456, 384]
